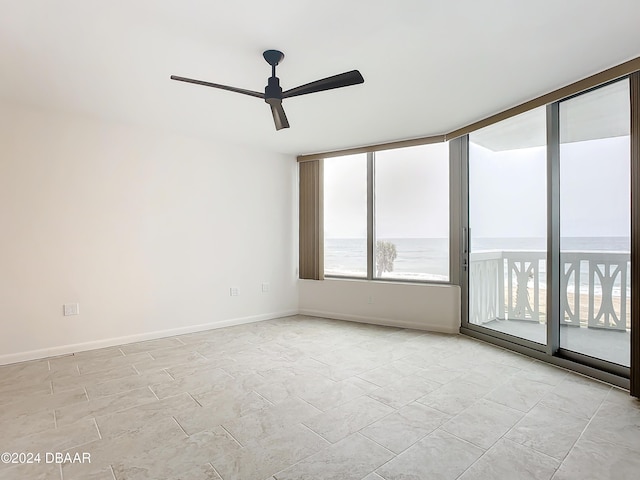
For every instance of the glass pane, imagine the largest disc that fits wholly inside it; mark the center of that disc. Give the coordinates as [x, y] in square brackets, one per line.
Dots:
[508, 222]
[345, 216]
[595, 223]
[412, 213]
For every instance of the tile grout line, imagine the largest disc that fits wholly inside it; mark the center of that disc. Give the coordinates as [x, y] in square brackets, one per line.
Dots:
[464, 441]
[154, 393]
[452, 416]
[539, 402]
[585, 428]
[194, 399]
[198, 353]
[265, 398]
[315, 433]
[224, 371]
[494, 444]
[326, 447]
[180, 426]
[370, 383]
[507, 406]
[476, 446]
[503, 435]
[320, 411]
[229, 433]
[95, 422]
[379, 444]
[214, 469]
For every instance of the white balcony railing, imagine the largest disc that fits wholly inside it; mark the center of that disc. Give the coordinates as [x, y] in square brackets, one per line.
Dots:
[511, 285]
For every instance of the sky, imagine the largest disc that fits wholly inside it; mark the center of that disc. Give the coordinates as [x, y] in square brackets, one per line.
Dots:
[507, 185]
[507, 192]
[412, 194]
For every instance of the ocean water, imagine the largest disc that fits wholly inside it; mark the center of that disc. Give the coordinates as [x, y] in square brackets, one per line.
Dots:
[428, 258]
[584, 244]
[418, 258]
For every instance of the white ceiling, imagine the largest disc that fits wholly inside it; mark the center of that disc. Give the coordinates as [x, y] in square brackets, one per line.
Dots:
[603, 113]
[429, 66]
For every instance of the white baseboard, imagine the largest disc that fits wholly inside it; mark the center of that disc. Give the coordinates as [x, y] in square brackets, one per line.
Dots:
[387, 322]
[139, 337]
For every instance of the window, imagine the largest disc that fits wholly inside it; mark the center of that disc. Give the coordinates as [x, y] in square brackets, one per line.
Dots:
[345, 216]
[508, 226]
[412, 213]
[407, 235]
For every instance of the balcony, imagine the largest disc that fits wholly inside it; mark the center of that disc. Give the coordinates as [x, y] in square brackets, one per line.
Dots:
[508, 294]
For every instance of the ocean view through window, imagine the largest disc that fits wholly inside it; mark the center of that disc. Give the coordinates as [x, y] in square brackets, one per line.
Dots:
[595, 199]
[411, 206]
[415, 257]
[409, 199]
[549, 222]
[508, 225]
[345, 216]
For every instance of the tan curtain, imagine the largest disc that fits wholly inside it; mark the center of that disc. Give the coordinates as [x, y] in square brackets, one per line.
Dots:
[311, 251]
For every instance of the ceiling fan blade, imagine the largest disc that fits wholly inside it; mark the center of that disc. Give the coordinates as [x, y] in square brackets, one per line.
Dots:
[337, 81]
[279, 117]
[216, 85]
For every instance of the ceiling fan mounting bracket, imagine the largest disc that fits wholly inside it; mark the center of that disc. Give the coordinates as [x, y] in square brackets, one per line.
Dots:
[273, 57]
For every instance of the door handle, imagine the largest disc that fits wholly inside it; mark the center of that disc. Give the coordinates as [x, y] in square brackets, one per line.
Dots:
[465, 248]
[465, 240]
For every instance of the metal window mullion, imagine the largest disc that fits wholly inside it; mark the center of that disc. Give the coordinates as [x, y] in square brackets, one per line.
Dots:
[459, 158]
[553, 229]
[370, 215]
[634, 91]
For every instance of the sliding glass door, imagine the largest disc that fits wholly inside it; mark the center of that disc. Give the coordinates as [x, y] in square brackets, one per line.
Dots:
[508, 226]
[547, 241]
[595, 224]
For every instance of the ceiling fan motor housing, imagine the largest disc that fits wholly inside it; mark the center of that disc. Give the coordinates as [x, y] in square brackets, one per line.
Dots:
[273, 91]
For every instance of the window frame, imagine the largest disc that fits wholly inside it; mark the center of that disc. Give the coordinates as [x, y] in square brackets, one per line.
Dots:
[371, 237]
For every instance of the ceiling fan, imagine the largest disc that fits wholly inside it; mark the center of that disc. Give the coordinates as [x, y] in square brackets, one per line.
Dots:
[273, 93]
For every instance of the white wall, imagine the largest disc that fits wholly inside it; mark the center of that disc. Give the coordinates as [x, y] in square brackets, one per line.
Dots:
[146, 231]
[425, 307]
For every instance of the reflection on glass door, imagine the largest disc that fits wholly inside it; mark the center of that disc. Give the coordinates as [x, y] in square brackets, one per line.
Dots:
[508, 226]
[595, 223]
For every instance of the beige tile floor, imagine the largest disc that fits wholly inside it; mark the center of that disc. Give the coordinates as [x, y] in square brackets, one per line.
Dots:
[309, 398]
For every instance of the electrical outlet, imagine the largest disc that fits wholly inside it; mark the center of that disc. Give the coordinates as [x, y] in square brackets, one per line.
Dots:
[71, 309]
[265, 287]
[234, 291]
